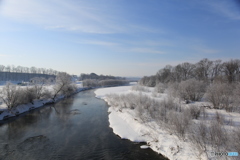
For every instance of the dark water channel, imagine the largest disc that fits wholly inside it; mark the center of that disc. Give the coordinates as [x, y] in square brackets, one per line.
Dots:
[76, 128]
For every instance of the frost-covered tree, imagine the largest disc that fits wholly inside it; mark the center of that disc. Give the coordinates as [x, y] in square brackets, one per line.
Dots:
[63, 85]
[38, 86]
[10, 95]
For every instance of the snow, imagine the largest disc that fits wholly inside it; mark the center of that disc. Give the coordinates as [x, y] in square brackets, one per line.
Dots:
[125, 123]
[144, 147]
[101, 93]
[122, 125]
[36, 103]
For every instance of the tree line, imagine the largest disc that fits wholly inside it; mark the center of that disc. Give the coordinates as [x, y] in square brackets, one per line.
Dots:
[204, 70]
[84, 76]
[19, 73]
[21, 69]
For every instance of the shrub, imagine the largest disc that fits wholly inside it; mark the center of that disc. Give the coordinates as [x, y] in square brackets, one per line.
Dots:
[217, 135]
[27, 95]
[191, 90]
[194, 111]
[160, 88]
[180, 122]
[220, 95]
[90, 83]
[199, 136]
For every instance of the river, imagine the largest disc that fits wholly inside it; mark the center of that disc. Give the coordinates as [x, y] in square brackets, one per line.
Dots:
[76, 128]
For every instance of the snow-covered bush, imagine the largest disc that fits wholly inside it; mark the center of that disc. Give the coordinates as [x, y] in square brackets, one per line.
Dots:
[236, 93]
[219, 118]
[220, 95]
[191, 89]
[194, 111]
[160, 88]
[46, 94]
[199, 136]
[38, 84]
[90, 83]
[26, 95]
[181, 122]
[217, 135]
[173, 89]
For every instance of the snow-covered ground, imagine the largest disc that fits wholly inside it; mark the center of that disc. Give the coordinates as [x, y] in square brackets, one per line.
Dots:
[126, 124]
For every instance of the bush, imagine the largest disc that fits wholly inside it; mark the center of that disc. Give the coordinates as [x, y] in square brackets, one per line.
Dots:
[27, 95]
[217, 135]
[199, 136]
[46, 94]
[180, 122]
[160, 88]
[236, 93]
[112, 82]
[220, 95]
[191, 90]
[90, 83]
[194, 111]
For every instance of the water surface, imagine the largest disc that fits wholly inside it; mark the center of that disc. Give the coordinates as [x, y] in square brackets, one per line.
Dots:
[76, 128]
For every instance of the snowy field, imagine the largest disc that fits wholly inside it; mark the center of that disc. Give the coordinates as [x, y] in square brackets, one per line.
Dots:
[126, 123]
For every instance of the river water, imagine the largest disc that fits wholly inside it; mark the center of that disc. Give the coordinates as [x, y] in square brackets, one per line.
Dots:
[76, 128]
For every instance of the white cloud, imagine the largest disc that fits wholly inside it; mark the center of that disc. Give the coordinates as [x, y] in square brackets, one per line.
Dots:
[225, 8]
[101, 43]
[73, 15]
[146, 50]
[62, 15]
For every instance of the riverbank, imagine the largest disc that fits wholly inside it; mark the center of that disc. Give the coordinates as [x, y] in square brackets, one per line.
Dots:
[126, 123]
[23, 108]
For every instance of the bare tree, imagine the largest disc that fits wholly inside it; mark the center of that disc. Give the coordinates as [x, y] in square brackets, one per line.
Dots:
[38, 86]
[10, 95]
[231, 69]
[203, 69]
[216, 70]
[164, 75]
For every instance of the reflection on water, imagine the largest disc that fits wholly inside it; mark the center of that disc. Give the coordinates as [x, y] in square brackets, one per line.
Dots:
[75, 128]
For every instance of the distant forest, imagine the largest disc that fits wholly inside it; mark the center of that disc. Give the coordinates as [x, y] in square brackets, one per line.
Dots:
[19, 73]
[94, 76]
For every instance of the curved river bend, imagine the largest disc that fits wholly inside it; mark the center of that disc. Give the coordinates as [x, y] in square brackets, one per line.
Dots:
[76, 128]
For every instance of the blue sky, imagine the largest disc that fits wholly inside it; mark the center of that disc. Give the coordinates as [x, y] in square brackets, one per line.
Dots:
[117, 37]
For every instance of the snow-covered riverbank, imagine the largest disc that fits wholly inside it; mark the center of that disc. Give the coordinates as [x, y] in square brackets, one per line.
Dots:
[126, 123]
[5, 113]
